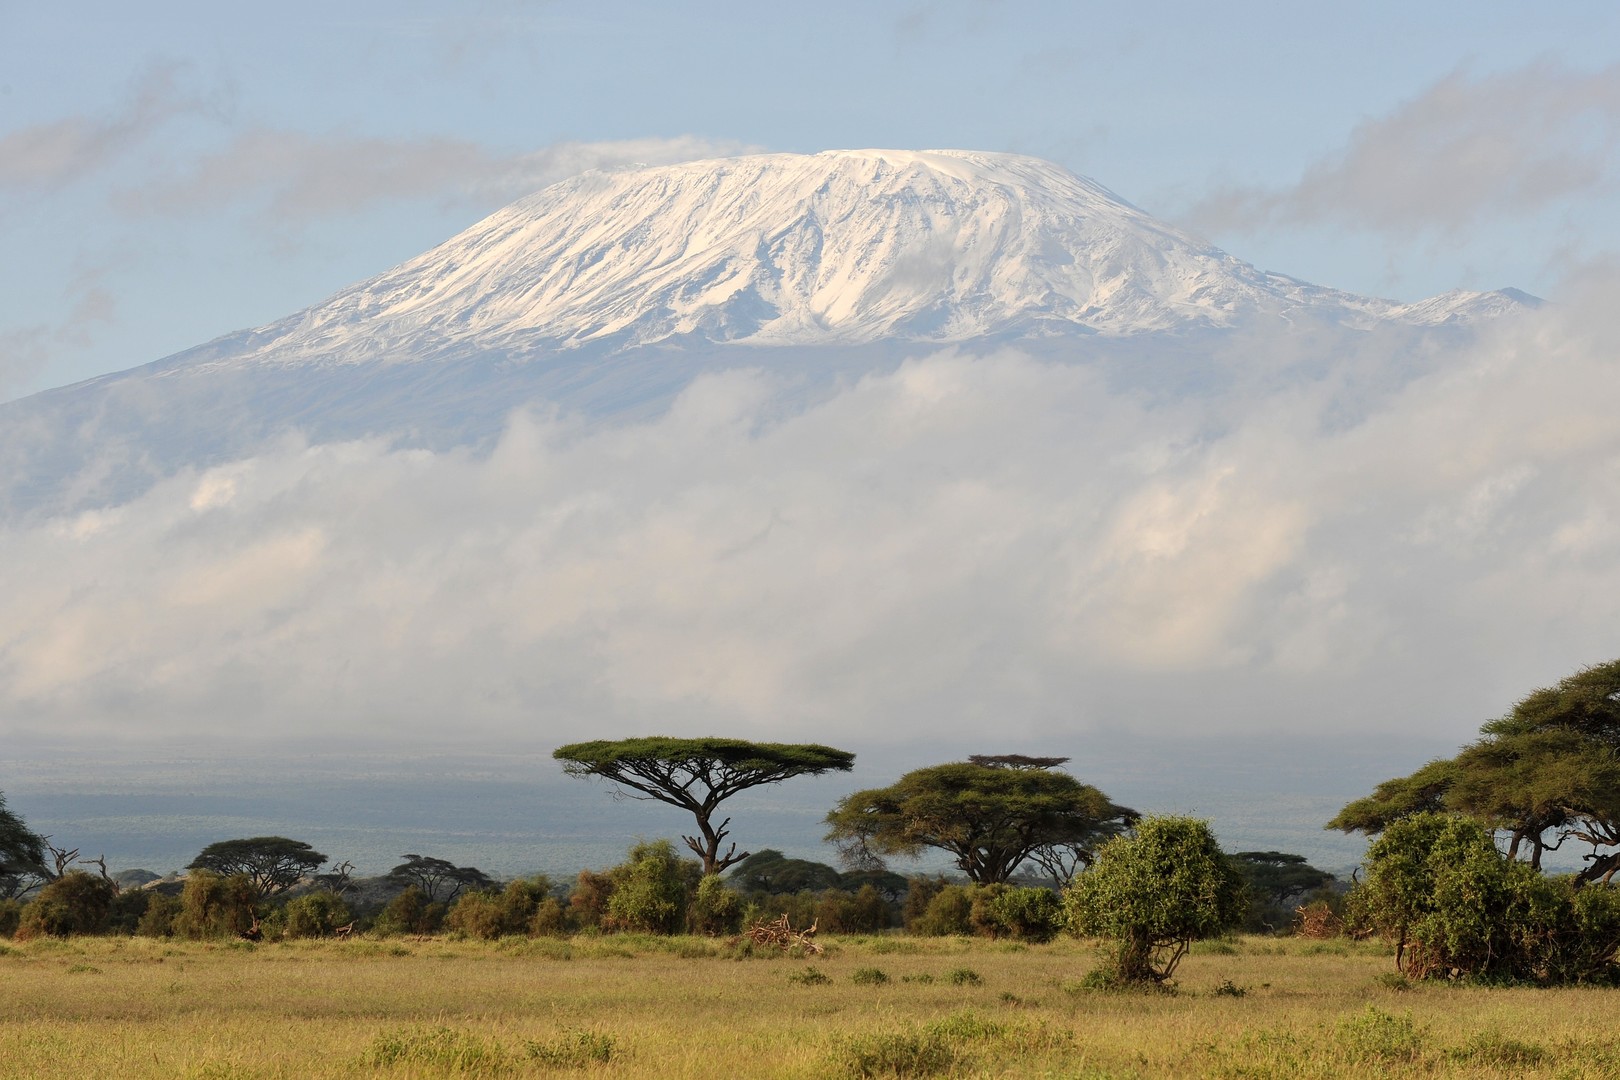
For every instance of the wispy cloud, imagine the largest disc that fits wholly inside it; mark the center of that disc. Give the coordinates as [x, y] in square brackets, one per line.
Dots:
[25, 350]
[1469, 147]
[49, 155]
[294, 178]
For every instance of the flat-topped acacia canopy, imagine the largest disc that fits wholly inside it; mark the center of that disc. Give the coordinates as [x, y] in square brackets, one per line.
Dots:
[698, 775]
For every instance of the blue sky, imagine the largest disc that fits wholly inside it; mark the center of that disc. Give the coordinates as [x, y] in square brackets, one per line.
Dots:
[174, 172]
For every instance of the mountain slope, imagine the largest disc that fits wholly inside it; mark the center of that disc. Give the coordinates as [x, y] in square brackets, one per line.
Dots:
[607, 293]
[842, 247]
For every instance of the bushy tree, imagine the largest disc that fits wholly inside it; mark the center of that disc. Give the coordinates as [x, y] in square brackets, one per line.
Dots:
[157, 921]
[1437, 886]
[714, 908]
[411, 912]
[1154, 893]
[316, 914]
[272, 863]
[1547, 772]
[1019, 912]
[588, 900]
[864, 911]
[947, 910]
[22, 855]
[75, 903]
[212, 905]
[990, 817]
[488, 914]
[651, 890]
[698, 775]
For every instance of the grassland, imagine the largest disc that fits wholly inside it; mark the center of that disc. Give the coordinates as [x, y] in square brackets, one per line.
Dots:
[647, 1007]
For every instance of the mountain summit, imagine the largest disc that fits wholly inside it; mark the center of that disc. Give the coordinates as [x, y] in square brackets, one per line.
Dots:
[608, 293]
[841, 247]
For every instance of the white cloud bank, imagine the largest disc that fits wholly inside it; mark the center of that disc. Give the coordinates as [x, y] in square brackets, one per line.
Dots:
[959, 546]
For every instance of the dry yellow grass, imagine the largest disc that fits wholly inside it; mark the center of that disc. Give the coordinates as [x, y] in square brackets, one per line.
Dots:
[640, 1007]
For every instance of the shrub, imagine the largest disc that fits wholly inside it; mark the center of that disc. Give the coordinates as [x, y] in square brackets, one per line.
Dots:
[810, 976]
[949, 911]
[10, 916]
[410, 913]
[578, 1049]
[588, 902]
[861, 912]
[1154, 893]
[1010, 911]
[1373, 1035]
[920, 892]
[213, 906]
[1454, 906]
[75, 903]
[869, 976]
[550, 919]
[315, 915]
[650, 890]
[157, 921]
[128, 907]
[714, 908]
[475, 914]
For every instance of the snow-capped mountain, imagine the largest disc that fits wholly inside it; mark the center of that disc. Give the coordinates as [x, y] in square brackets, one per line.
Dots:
[608, 292]
[841, 247]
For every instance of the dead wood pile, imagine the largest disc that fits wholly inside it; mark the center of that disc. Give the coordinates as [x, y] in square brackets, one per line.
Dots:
[781, 934]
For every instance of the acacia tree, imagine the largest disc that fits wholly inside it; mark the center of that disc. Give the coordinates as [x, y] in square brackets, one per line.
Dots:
[698, 775]
[991, 816]
[1547, 772]
[1155, 893]
[430, 875]
[22, 855]
[271, 863]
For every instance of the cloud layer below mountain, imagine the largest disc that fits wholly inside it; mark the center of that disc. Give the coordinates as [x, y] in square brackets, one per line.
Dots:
[1390, 542]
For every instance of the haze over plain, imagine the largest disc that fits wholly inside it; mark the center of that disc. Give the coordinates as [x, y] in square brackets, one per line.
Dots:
[1326, 538]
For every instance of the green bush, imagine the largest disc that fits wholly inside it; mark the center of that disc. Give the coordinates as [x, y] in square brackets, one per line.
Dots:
[1454, 906]
[411, 912]
[651, 890]
[1021, 913]
[861, 912]
[315, 914]
[475, 914]
[588, 901]
[949, 911]
[550, 919]
[516, 909]
[714, 909]
[128, 908]
[75, 903]
[10, 917]
[1154, 893]
[157, 921]
[212, 906]
[920, 892]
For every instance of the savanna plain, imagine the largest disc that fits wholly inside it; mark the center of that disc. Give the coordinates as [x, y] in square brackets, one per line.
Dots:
[880, 1005]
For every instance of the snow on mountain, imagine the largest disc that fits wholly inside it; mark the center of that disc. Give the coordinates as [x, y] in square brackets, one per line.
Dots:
[841, 247]
[608, 293]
